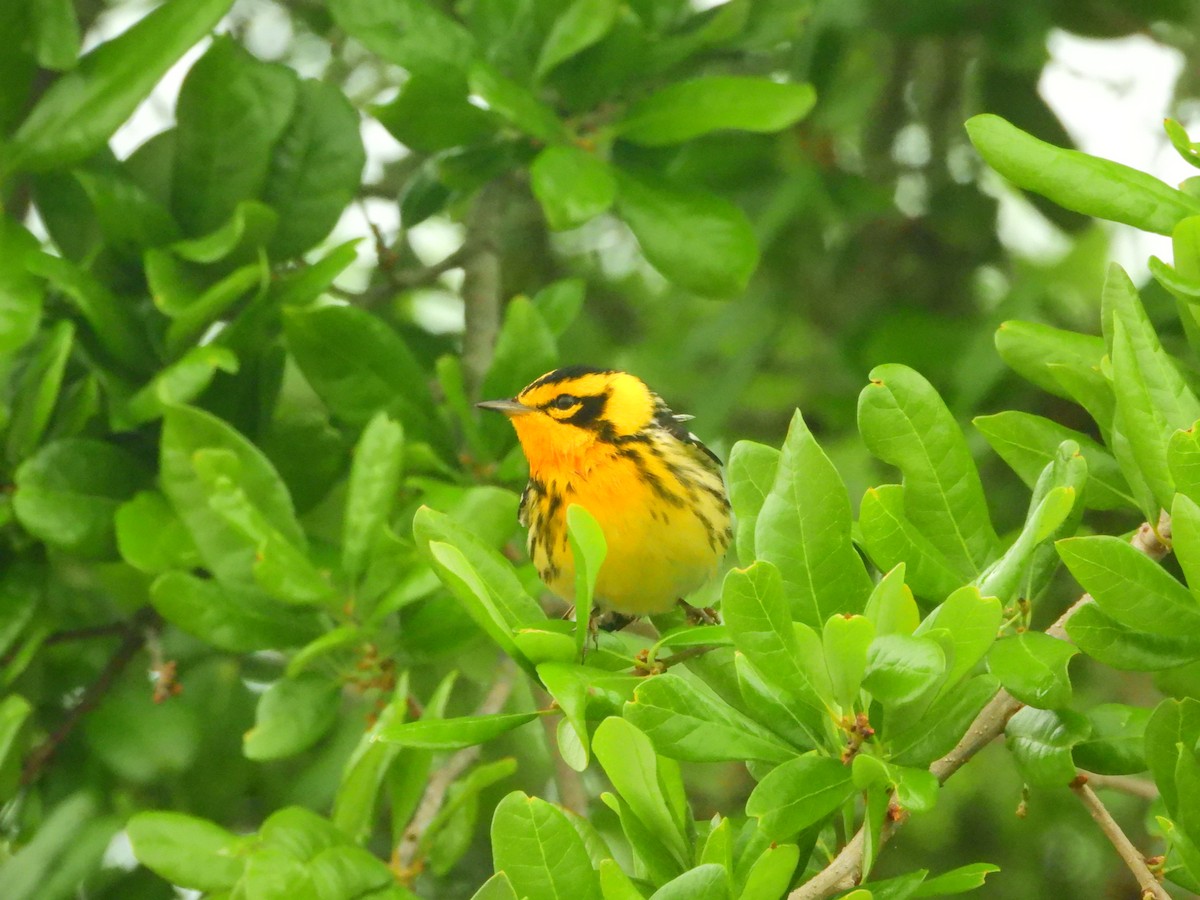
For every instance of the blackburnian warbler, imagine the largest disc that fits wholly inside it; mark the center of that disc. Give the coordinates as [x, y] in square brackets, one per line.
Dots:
[602, 439]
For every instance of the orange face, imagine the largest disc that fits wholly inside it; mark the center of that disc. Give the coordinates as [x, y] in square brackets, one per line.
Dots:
[562, 414]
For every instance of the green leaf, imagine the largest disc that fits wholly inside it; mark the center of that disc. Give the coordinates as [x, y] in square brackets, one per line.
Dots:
[1102, 637]
[1028, 444]
[514, 608]
[150, 537]
[67, 846]
[37, 391]
[705, 882]
[112, 320]
[236, 239]
[231, 618]
[904, 422]
[588, 550]
[902, 669]
[232, 110]
[956, 881]
[919, 740]
[292, 715]
[772, 872]
[688, 724]
[128, 216]
[315, 168]
[280, 568]
[579, 26]
[846, 639]
[891, 607]
[777, 707]
[1032, 666]
[804, 530]
[1117, 742]
[1077, 181]
[1173, 730]
[572, 185]
[409, 33]
[1006, 577]
[225, 550]
[498, 887]
[476, 596]
[1129, 587]
[81, 110]
[20, 292]
[752, 601]
[891, 540]
[535, 845]
[628, 759]
[453, 734]
[688, 109]
[56, 34]
[583, 690]
[187, 851]
[353, 872]
[14, 713]
[178, 383]
[749, 475]
[358, 365]
[671, 223]
[1185, 539]
[371, 492]
[798, 794]
[67, 493]
[515, 103]
[1140, 423]
[1041, 741]
[432, 113]
[560, 303]
[1183, 460]
[973, 622]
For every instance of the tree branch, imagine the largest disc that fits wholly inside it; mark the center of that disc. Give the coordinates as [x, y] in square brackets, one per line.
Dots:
[845, 870]
[407, 856]
[135, 631]
[1151, 889]
[482, 285]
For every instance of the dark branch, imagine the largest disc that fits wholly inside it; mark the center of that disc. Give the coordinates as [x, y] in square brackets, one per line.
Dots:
[135, 636]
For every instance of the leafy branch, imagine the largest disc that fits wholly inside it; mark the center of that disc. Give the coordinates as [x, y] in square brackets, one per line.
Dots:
[846, 869]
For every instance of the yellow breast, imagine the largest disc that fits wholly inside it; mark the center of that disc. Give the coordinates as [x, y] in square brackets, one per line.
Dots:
[664, 514]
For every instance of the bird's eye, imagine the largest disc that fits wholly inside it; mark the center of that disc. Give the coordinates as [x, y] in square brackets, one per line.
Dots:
[564, 401]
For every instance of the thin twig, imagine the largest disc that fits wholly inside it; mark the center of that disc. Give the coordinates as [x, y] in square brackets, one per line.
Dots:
[1151, 889]
[440, 781]
[135, 632]
[1125, 784]
[111, 629]
[845, 870]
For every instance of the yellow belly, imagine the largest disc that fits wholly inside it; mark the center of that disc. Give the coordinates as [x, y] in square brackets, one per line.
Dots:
[658, 552]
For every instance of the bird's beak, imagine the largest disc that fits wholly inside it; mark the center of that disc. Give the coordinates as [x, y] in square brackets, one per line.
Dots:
[508, 407]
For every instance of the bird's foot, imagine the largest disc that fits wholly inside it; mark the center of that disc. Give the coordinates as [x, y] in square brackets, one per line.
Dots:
[699, 615]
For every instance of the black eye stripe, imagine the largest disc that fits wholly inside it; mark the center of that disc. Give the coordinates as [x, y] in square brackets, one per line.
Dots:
[590, 410]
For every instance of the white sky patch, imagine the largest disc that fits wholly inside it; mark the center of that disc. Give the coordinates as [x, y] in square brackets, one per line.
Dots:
[1112, 97]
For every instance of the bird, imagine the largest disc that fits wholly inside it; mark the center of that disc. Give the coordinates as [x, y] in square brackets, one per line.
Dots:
[602, 439]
